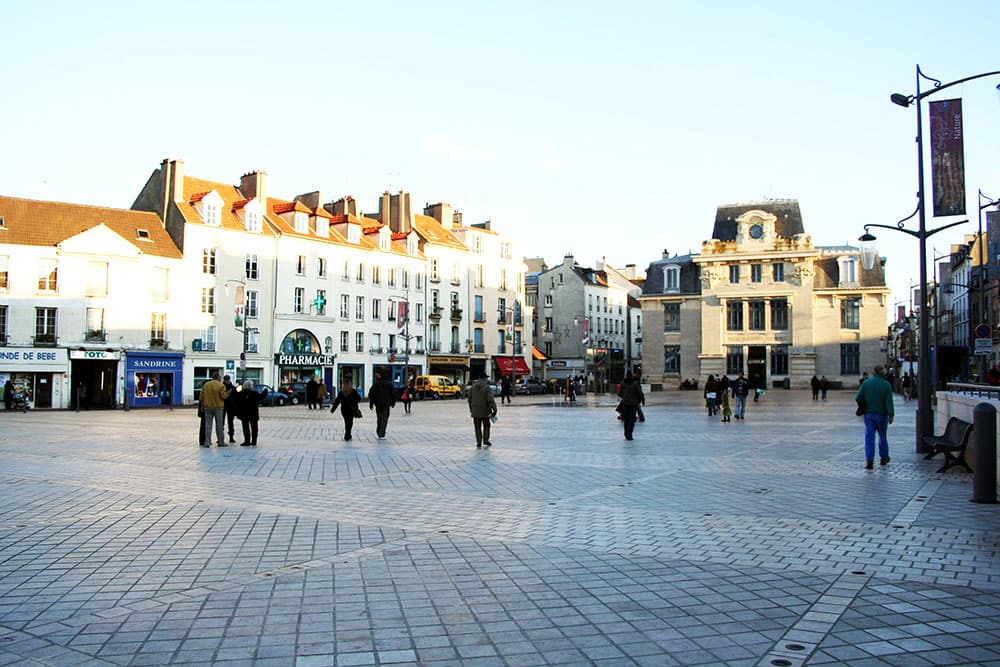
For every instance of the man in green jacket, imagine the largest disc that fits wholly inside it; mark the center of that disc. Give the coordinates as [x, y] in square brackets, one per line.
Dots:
[875, 395]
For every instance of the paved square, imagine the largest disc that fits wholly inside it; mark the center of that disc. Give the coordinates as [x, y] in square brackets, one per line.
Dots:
[761, 542]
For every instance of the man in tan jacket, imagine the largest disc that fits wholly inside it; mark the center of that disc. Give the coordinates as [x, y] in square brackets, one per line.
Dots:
[213, 401]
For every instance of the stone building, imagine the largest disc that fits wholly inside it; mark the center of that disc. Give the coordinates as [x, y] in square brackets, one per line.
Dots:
[762, 299]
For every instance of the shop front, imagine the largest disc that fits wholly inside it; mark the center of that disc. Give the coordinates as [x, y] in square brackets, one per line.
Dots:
[41, 372]
[93, 378]
[452, 366]
[506, 366]
[299, 368]
[153, 378]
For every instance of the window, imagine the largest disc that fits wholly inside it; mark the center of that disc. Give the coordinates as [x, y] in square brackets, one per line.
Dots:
[300, 265]
[344, 341]
[376, 309]
[454, 301]
[671, 358]
[779, 314]
[503, 279]
[3, 324]
[420, 312]
[376, 275]
[97, 279]
[779, 360]
[420, 281]
[477, 313]
[477, 341]
[298, 299]
[159, 291]
[734, 274]
[392, 277]
[211, 211]
[359, 342]
[360, 275]
[850, 358]
[345, 306]
[95, 324]
[323, 229]
[320, 302]
[252, 267]
[346, 273]
[47, 275]
[756, 313]
[321, 267]
[208, 338]
[435, 337]
[45, 325]
[359, 308]
[435, 299]
[300, 222]
[734, 359]
[252, 221]
[208, 261]
[672, 278]
[756, 271]
[477, 276]
[406, 279]
[4, 272]
[848, 269]
[734, 316]
[456, 274]
[850, 313]
[208, 300]
[252, 304]
[377, 343]
[778, 272]
[158, 326]
[671, 317]
[434, 269]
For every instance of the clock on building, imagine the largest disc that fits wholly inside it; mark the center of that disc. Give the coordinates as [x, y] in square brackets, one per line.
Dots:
[756, 231]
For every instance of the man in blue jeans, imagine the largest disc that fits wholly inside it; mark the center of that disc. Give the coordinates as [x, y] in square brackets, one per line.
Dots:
[875, 394]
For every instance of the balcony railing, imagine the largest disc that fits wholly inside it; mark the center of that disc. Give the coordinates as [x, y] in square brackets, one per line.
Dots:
[95, 335]
[456, 313]
[479, 317]
[478, 348]
[162, 344]
[45, 339]
[435, 313]
[456, 349]
[435, 347]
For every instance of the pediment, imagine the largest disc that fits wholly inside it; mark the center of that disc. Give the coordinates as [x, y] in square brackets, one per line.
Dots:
[99, 240]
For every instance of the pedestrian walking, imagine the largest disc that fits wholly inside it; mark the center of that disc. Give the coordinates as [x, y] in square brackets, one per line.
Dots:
[230, 407]
[407, 397]
[632, 397]
[348, 400]
[874, 400]
[312, 389]
[824, 386]
[741, 389]
[814, 385]
[8, 394]
[381, 399]
[483, 408]
[711, 394]
[321, 394]
[907, 385]
[505, 390]
[213, 398]
[248, 410]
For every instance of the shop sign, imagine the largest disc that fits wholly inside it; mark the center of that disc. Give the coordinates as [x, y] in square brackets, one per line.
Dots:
[93, 354]
[162, 364]
[557, 364]
[33, 355]
[446, 360]
[304, 359]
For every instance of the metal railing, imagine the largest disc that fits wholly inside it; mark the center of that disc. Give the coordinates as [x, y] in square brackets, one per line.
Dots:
[977, 390]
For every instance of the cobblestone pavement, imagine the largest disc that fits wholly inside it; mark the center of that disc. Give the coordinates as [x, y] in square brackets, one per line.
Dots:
[761, 542]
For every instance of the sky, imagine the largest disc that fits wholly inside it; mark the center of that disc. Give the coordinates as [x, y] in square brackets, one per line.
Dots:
[597, 129]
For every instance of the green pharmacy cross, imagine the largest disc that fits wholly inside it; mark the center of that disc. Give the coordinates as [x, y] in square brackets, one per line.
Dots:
[319, 302]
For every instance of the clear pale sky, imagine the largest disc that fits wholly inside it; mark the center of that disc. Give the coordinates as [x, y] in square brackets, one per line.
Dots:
[593, 128]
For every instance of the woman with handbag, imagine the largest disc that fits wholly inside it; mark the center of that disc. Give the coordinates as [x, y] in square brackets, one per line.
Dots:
[348, 399]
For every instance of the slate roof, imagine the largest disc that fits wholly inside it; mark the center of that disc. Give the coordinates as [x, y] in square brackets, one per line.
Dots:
[787, 211]
[690, 274]
[828, 273]
[47, 223]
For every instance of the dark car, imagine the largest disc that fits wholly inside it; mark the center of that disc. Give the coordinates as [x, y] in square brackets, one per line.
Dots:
[295, 392]
[273, 397]
[529, 386]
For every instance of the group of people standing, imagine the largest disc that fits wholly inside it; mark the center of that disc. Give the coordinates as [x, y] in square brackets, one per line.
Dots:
[220, 403]
[718, 391]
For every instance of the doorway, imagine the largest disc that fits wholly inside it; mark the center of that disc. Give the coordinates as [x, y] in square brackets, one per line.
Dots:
[757, 366]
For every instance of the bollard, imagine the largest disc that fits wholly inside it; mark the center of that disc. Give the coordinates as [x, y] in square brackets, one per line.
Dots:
[984, 439]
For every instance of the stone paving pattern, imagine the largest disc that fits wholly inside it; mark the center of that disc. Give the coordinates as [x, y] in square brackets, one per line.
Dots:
[761, 542]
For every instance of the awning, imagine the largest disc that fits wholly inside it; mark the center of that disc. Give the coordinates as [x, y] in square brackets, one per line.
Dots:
[503, 365]
[537, 354]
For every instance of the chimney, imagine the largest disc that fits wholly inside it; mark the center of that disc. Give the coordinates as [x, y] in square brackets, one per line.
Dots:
[443, 213]
[385, 208]
[344, 206]
[310, 200]
[666, 254]
[254, 185]
[456, 219]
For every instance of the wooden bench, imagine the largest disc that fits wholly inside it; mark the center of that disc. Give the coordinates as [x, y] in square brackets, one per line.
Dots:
[951, 443]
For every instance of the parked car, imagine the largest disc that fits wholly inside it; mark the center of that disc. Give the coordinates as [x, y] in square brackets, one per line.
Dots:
[529, 386]
[295, 392]
[273, 397]
[436, 386]
[495, 386]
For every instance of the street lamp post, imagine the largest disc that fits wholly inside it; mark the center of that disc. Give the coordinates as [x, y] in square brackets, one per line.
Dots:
[925, 418]
[983, 275]
[513, 340]
[240, 321]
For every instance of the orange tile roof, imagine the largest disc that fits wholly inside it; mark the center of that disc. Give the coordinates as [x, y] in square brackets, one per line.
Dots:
[195, 190]
[434, 232]
[285, 228]
[47, 223]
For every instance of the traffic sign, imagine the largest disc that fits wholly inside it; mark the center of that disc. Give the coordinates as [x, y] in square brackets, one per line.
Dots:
[982, 331]
[984, 346]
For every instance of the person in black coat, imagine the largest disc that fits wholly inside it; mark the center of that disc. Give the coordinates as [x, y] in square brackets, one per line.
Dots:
[312, 391]
[381, 397]
[248, 410]
[230, 406]
[348, 399]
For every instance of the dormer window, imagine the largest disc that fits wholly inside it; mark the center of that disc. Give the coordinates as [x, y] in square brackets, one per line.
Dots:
[252, 216]
[354, 233]
[142, 234]
[301, 223]
[411, 244]
[671, 278]
[211, 209]
[384, 239]
[322, 227]
[848, 267]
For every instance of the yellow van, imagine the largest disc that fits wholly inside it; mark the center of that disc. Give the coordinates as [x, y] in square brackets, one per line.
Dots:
[436, 386]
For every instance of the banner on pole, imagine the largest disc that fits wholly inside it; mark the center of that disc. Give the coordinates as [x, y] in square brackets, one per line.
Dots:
[585, 332]
[402, 314]
[947, 158]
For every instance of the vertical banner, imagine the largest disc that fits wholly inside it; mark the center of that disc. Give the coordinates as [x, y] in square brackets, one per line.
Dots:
[585, 331]
[947, 158]
[402, 314]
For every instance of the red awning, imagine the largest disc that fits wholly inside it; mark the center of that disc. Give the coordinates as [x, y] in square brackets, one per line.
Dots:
[503, 365]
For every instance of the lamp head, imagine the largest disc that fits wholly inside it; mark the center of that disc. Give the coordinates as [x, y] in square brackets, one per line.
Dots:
[869, 253]
[900, 99]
